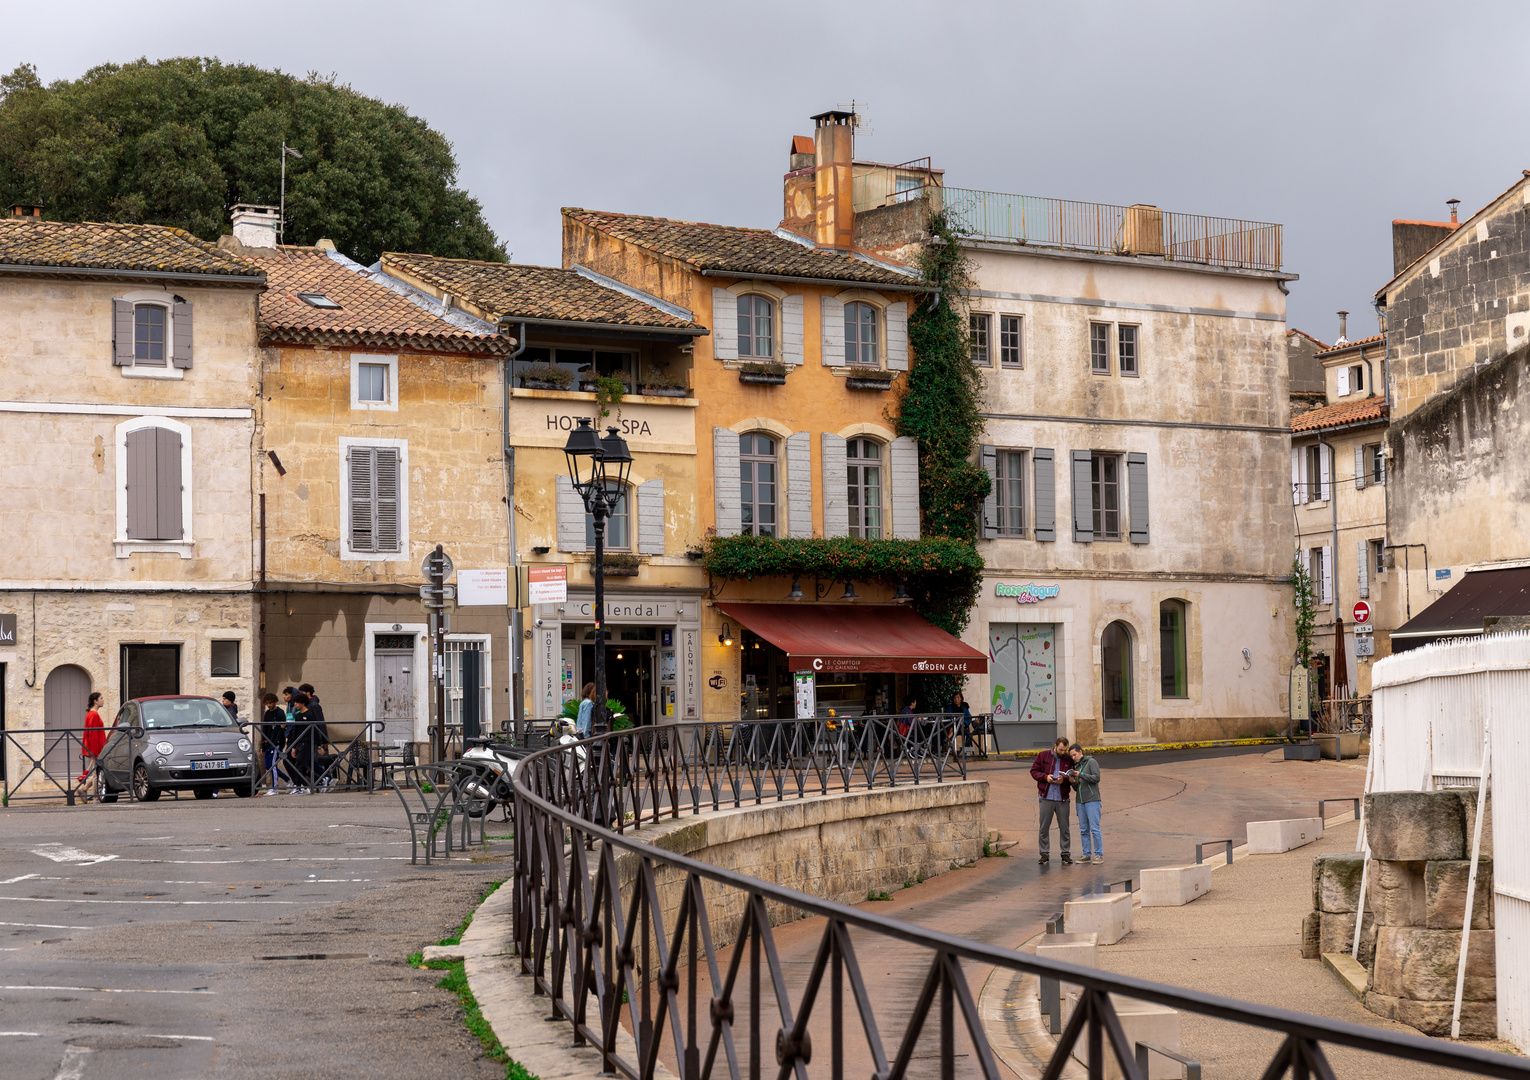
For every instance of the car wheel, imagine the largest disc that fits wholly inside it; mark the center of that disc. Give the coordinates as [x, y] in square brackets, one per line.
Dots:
[245, 789]
[104, 790]
[204, 792]
[143, 791]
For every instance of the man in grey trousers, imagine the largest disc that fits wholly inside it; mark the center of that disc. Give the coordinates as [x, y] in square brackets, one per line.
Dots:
[1050, 771]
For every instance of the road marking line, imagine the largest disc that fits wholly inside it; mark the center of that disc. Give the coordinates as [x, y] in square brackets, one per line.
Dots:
[73, 1065]
[48, 926]
[279, 859]
[21, 1034]
[23, 877]
[196, 903]
[70, 855]
[156, 838]
[105, 990]
[196, 1038]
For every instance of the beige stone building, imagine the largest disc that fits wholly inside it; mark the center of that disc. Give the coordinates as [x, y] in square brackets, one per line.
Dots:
[128, 369]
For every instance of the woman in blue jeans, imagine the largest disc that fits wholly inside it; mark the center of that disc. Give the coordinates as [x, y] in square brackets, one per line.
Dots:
[1086, 774]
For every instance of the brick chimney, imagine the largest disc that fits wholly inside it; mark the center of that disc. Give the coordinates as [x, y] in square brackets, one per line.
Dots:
[833, 180]
[797, 188]
[26, 210]
[255, 226]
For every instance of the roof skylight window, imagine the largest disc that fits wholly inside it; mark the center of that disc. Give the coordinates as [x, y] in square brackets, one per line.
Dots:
[318, 300]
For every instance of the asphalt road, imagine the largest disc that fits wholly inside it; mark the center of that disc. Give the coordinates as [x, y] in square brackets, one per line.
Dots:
[230, 938]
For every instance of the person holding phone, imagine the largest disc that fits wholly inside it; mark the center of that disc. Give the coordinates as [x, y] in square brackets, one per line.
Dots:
[1050, 771]
[1085, 774]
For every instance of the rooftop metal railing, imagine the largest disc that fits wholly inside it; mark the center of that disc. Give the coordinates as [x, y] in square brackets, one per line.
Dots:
[612, 949]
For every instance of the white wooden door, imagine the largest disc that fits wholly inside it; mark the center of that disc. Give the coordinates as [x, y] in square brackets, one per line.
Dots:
[395, 696]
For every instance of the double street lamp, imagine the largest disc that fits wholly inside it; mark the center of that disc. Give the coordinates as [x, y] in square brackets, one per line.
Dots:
[598, 468]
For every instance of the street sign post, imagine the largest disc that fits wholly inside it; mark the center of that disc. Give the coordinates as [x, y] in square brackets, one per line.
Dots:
[1362, 611]
[437, 567]
[547, 584]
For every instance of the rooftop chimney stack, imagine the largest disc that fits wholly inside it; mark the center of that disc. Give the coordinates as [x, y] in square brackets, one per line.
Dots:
[255, 226]
[797, 188]
[26, 210]
[1453, 203]
[1343, 330]
[833, 183]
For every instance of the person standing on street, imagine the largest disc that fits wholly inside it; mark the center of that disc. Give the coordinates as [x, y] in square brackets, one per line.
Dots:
[230, 704]
[585, 723]
[273, 736]
[1086, 775]
[1050, 771]
[92, 740]
[964, 711]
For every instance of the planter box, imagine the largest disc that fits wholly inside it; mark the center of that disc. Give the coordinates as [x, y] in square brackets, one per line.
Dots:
[1303, 751]
[543, 384]
[763, 378]
[622, 571]
[1346, 744]
[665, 391]
[868, 384]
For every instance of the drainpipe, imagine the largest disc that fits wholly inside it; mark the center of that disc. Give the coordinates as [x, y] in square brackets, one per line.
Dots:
[517, 653]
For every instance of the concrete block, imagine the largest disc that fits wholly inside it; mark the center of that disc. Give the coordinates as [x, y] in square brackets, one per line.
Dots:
[1108, 917]
[1312, 935]
[1445, 894]
[1274, 837]
[1397, 892]
[1336, 934]
[1354, 977]
[1336, 882]
[1420, 964]
[1479, 1019]
[1069, 948]
[1142, 1022]
[1415, 826]
[1175, 886]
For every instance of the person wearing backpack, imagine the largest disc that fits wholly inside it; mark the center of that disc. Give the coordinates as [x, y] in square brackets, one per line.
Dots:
[1085, 774]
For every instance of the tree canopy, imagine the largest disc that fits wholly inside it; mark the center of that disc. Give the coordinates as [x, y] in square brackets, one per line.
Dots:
[178, 142]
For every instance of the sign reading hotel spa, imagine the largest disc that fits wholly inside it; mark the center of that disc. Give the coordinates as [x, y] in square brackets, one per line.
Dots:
[896, 664]
[1026, 594]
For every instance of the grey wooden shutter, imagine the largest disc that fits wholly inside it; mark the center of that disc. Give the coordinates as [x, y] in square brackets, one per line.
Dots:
[725, 482]
[180, 332]
[897, 336]
[836, 487]
[1137, 496]
[791, 329]
[1083, 499]
[799, 485]
[1359, 468]
[1327, 574]
[167, 484]
[724, 325]
[570, 516]
[904, 460]
[142, 504]
[387, 528]
[990, 522]
[362, 500]
[122, 333]
[1045, 466]
[832, 345]
[650, 508]
[1362, 553]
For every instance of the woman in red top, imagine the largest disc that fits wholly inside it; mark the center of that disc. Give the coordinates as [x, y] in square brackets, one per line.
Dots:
[94, 738]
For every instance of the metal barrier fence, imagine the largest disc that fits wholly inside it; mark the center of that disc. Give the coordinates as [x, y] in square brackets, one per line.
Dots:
[601, 951]
[50, 760]
[352, 768]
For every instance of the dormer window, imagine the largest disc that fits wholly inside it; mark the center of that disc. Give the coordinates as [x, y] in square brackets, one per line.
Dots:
[318, 300]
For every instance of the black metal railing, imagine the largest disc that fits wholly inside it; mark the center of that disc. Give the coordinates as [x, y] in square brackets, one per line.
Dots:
[621, 936]
[47, 764]
[349, 764]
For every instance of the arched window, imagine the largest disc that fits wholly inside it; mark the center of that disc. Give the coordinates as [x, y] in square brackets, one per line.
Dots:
[618, 521]
[756, 328]
[1116, 677]
[863, 459]
[1172, 667]
[757, 484]
[861, 335]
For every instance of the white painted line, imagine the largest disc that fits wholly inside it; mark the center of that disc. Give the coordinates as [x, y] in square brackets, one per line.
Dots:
[20, 1034]
[60, 853]
[192, 903]
[48, 926]
[23, 877]
[73, 1065]
[280, 859]
[195, 1038]
[156, 838]
[104, 990]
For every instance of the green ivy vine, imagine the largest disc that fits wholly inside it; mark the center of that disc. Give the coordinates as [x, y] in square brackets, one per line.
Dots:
[1305, 601]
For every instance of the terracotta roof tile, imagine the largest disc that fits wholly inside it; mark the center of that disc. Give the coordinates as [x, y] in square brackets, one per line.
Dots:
[95, 246]
[730, 249]
[1321, 346]
[543, 293]
[1339, 414]
[1331, 350]
[368, 315]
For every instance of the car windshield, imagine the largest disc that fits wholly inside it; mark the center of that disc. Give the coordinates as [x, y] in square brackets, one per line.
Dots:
[185, 712]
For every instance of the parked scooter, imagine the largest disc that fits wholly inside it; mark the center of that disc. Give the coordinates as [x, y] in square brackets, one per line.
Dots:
[490, 783]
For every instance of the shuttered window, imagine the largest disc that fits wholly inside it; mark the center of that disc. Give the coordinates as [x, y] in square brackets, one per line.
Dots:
[1105, 492]
[756, 328]
[861, 335]
[152, 334]
[154, 484]
[1044, 513]
[374, 498]
[757, 484]
[1009, 491]
[863, 469]
[149, 334]
[618, 521]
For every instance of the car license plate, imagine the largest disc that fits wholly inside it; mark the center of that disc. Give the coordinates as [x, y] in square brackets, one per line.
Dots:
[209, 764]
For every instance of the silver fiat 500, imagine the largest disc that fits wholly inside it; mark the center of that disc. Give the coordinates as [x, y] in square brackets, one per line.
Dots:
[176, 744]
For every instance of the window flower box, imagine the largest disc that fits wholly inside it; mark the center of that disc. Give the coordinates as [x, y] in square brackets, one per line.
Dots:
[664, 391]
[769, 373]
[871, 379]
[546, 377]
[621, 564]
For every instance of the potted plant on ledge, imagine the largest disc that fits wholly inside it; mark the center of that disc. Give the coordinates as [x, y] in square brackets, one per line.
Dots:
[766, 372]
[622, 564]
[663, 384]
[868, 378]
[546, 377]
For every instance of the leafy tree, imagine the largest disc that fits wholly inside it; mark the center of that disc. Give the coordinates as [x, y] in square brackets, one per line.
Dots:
[178, 142]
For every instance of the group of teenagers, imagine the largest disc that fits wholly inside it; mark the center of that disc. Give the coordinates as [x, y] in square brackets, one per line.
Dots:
[295, 739]
[1058, 773]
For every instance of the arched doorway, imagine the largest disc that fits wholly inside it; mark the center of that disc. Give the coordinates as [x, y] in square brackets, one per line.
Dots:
[1116, 699]
[64, 697]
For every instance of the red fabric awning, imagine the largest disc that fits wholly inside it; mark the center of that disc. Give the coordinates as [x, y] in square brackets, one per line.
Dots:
[841, 637]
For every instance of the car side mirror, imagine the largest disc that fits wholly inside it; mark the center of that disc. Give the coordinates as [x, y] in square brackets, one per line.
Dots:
[135, 732]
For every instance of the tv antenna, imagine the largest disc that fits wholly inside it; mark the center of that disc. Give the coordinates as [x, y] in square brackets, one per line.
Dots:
[857, 117]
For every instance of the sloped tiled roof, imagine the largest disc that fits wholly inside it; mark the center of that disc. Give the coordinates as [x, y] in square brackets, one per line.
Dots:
[1308, 336]
[89, 245]
[1334, 350]
[730, 249]
[369, 315]
[1340, 414]
[516, 291]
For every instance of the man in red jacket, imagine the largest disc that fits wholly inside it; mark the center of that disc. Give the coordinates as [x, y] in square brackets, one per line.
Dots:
[1050, 771]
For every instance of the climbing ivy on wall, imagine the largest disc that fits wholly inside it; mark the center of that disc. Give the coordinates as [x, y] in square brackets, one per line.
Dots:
[1304, 600]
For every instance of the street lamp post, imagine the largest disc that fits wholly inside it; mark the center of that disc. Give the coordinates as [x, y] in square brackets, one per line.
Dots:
[598, 468]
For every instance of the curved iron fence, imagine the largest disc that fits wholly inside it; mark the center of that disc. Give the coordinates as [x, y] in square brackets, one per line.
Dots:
[593, 933]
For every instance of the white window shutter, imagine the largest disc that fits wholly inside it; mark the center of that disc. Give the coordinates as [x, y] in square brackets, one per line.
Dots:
[1045, 466]
[122, 333]
[650, 508]
[791, 329]
[724, 325]
[832, 346]
[570, 516]
[386, 499]
[725, 482]
[989, 526]
[1304, 482]
[799, 485]
[897, 336]
[1296, 476]
[1327, 574]
[1362, 558]
[1083, 498]
[1325, 486]
[1137, 497]
[904, 459]
[1343, 374]
[180, 332]
[836, 487]
[359, 460]
[1359, 468]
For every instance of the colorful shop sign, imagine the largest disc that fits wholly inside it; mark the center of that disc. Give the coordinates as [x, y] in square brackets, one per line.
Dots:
[1026, 594]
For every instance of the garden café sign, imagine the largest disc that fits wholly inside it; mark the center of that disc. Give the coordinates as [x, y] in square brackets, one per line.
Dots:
[1026, 594]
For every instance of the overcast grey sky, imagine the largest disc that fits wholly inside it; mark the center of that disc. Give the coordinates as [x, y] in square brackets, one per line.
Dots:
[1331, 119]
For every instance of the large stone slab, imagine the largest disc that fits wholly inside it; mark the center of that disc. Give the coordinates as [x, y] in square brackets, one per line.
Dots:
[1479, 1019]
[1174, 886]
[1349, 972]
[1420, 964]
[1108, 917]
[1469, 809]
[1397, 892]
[1336, 882]
[1312, 935]
[1274, 837]
[1336, 934]
[1445, 884]
[1415, 826]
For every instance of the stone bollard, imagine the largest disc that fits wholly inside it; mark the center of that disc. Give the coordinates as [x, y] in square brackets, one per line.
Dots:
[1057, 997]
[1274, 837]
[1175, 886]
[1108, 917]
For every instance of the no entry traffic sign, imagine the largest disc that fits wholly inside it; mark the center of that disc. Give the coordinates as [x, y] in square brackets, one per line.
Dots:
[1362, 611]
